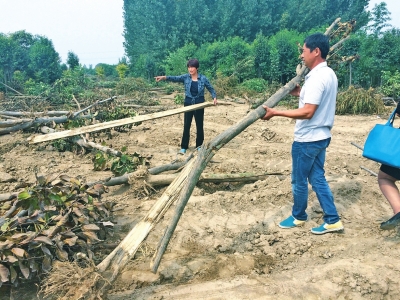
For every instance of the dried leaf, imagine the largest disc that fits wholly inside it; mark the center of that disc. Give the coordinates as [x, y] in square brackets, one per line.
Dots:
[6, 245]
[11, 258]
[63, 220]
[108, 223]
[46, 251]
[65, 177]
[90, 227]
[91, 236]
[4, 273]
[56, 182]
[43, 239]
[34, 266]
[75, 181]
[71, 241]
[83, 220]
[51, 177]
[24, 269]
[14, 274]
[19, 252]
[46, 264]
[19, 237]
[81, 243]
[77, 211]
[101, 207]
[61, 254]
[90, 254]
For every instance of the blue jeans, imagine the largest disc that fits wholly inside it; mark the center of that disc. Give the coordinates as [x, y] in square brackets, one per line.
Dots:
[308, 166]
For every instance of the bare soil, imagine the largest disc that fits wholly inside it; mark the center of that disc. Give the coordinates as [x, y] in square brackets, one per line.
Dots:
[227, 244]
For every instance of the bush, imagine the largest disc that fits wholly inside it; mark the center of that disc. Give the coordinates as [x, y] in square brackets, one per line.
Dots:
[179, 99]
[225, 85]
[253, 86]
[359, 101]
[391, 84]
[130, 86]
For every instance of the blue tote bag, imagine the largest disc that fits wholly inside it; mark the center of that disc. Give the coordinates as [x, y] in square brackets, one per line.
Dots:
[383, 143]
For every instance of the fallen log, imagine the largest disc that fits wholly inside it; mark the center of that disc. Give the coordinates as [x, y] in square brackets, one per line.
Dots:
[118, 258]
[11, 123]
[86, 144]
[76, 114]
[39, 121]
[35, 114]
[115, 123]
[165, 179]
[175, 165]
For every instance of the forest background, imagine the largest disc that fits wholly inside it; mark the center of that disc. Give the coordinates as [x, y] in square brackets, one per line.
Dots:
[247, 49]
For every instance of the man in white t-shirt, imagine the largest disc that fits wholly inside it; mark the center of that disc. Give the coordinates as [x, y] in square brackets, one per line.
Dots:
[312, 135]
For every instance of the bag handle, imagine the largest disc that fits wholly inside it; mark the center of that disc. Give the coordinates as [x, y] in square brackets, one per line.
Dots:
[391, 118]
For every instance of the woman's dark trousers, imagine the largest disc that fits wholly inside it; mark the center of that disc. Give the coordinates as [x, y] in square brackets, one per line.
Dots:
[187, 122]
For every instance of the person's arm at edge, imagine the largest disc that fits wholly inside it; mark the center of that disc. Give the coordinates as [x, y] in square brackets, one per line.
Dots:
[211, 90]
[159, 78]
[306, 112]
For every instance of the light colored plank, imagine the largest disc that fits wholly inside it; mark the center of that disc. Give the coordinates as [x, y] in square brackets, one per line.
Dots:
[115, 123]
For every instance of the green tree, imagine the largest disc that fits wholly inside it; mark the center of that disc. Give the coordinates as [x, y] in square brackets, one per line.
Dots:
[380, 18]
[100, 71]
[44, 61]
[122, 69]
[7, 49]
[72, 60]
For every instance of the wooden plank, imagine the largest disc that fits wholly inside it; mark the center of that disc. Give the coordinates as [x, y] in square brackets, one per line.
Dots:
[115, 123]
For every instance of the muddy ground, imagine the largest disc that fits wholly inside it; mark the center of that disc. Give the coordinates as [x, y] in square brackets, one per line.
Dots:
[227, 244]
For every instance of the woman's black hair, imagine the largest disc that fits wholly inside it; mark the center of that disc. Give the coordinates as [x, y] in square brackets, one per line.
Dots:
[193, 63]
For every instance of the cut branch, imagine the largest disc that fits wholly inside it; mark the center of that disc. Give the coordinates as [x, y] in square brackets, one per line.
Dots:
[115, 123]
[165, 179]
[38, 121]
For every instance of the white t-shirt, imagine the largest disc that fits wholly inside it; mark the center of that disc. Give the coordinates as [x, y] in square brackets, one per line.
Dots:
[320, 88]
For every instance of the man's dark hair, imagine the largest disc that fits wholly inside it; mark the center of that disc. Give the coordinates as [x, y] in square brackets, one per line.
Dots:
[318, 40]
[193, 63]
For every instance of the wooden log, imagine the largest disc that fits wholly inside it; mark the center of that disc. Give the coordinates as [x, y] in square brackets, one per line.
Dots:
[165, 179]
[38, 121]
[118, 258]
[11, 123]
[115, 123]
[34, 114]
[169, 167]
[86, 144]
[76, 114]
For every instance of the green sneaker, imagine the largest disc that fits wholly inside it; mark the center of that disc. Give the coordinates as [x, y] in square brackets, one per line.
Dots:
[290, 223]
[325, 228]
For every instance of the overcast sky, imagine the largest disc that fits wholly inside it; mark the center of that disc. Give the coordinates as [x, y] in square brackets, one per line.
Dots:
[92, 29]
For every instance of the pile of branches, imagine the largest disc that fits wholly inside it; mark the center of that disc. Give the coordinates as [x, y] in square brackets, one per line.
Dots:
[12, 121]
[58, 218]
